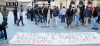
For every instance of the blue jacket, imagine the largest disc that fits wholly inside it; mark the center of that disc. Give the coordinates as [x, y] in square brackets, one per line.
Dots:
[55, 12]
[87, 12]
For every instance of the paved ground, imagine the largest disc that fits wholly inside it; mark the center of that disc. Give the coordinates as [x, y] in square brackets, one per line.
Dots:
[31, 27]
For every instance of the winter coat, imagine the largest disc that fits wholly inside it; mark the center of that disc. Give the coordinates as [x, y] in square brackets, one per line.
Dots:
[87, 12]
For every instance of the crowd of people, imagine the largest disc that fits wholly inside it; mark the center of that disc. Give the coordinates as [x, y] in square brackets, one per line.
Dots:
[44, 15]
[80, 15]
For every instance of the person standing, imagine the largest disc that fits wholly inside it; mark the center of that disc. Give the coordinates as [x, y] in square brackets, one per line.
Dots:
[3, 32]
[21, 15]
[45, 11]
[77, 15]
[69, 16]
[5, 13]
[40, 15]
[32, 14]
[55, 15]
[36, 12]
[81, 15]
[95, 17]
[63, 14]
[86, 15]
[15, 15]
[48, 16]
[29, 13]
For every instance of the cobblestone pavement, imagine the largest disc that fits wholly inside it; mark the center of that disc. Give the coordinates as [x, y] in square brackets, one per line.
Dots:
[31, 27]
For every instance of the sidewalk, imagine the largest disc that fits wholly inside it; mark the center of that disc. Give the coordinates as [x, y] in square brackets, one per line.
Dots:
[31, 27]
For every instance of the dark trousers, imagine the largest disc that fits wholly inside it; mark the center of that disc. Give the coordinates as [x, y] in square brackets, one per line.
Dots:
[45, 18]
[98, 19]
[21, 19]
[69, 20]
[31, 17]
[15, 19]
[5, 34]
[82, 19]
[62, 18]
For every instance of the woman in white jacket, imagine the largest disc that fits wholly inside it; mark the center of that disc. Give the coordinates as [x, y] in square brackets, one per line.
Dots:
[77, 15]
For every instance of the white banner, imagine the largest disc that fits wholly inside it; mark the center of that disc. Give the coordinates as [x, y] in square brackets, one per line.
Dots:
[56, 38]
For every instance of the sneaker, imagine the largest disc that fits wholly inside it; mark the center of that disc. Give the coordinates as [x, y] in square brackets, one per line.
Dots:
[96, 28]
[93, 28]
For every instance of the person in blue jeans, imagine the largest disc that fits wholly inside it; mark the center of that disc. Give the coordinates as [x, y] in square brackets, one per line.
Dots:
[95, 17]
[77, 14]
[63, 13]
[29, 13]
[36, 12]
[3, 33]
[40, 15]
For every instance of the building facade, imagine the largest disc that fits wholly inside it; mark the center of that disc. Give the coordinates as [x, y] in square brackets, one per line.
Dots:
[66, 3]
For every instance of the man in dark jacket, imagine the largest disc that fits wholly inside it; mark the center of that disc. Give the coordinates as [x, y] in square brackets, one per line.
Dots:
[55, 15]
[45, 14]
[36, 12]
[81, 15]
[3, 27]
[15, 15]
[69, 17]
[40, 15]
[86, 14]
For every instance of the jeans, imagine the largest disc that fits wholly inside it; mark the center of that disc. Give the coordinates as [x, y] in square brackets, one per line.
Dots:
[40, 18]
[73, 17]
[1, 35]
[15, 19]
[89, 20]
[62, 18]
[36, 19]
[77, 19]
[45, 19]
[95, 24]
[29, 16]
